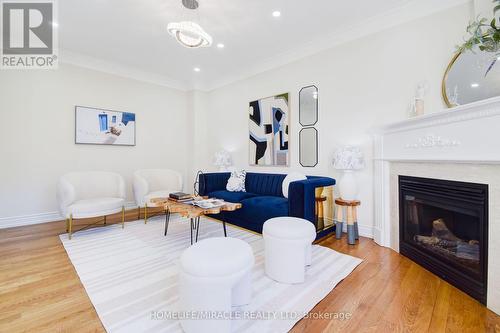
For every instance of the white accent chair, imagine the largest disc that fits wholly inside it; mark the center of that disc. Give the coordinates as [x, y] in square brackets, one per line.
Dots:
[90, 194]
[154, 183]
[215, 274]
[287, 242]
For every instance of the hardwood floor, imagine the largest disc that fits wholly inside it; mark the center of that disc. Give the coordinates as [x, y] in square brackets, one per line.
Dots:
[40, 291]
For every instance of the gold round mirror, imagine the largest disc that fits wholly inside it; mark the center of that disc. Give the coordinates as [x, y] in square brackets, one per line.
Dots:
[471, 77]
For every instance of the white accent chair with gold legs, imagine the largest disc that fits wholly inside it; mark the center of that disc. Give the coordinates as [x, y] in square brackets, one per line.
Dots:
[154, 183]
[90, 194]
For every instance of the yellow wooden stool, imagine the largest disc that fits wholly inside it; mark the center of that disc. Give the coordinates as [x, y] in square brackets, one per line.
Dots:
[352, 219]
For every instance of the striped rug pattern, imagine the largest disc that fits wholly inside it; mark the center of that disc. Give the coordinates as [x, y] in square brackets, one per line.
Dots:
[130, 276]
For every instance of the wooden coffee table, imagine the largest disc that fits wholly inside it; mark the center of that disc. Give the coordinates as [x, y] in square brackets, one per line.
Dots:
[193, 213]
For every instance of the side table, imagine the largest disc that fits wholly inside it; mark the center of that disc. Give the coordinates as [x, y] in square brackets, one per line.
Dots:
[352, 219]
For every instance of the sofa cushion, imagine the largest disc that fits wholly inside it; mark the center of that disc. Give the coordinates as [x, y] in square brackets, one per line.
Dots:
[236, 183]
[231, 196]
[260, 209]
[291, 177]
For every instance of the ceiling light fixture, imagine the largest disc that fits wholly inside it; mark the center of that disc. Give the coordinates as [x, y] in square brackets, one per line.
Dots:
[276, 13]
[187, 33]
[196, 69]
[220, 46]
[474, 85]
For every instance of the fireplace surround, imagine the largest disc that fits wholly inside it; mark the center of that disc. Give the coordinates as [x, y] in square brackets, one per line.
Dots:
[460, 144]
[443, 226]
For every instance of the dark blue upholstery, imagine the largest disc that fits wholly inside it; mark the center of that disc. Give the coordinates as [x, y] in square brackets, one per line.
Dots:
[231, 196]
[263, 198]
[264, 184]
[255, 211]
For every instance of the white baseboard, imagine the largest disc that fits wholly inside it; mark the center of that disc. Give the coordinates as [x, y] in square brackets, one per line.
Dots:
[364, 230]
[22, 220]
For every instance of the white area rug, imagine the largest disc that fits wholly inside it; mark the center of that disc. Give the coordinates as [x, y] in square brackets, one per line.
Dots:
[130, 274]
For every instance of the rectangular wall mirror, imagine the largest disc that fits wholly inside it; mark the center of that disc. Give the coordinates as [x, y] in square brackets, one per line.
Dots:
[308, 106]
[308, 152]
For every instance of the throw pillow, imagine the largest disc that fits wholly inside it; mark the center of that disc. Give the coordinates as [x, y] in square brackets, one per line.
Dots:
[236, 183]
[291, 177]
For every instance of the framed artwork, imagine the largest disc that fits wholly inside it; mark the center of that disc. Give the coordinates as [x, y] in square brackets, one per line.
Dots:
[268, 131]
[104, 127]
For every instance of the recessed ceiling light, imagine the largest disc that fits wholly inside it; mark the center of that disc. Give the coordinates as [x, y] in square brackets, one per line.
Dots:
[55, 24]
[196, 69]
[276, 13]
[474, 85]
[220, 46]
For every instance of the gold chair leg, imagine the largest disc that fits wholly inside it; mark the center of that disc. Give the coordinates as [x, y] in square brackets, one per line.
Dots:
[70, 225]
[145, 213]
[123, 217]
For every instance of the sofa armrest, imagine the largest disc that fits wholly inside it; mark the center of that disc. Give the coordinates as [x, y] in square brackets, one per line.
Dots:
[302, 196]
[210, 182]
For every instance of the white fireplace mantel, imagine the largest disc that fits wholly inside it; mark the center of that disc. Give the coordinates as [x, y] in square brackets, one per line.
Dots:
[464, 134]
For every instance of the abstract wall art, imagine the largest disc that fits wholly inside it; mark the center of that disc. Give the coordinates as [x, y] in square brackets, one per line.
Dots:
[104, 127]
[268, 129]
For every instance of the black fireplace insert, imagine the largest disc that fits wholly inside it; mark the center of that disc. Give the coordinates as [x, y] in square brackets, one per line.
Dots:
[443, 226]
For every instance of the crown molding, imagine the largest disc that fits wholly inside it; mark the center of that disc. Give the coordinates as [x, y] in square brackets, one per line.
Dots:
[410, 11]
[77, 59]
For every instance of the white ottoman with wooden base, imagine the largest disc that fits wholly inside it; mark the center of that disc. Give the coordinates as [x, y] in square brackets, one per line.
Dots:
[288, 248]
[215, 274]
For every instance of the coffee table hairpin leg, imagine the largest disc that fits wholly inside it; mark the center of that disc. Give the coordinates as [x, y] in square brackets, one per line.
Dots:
[191, 229]
[197, 228]
[167, 219]
[222, 214]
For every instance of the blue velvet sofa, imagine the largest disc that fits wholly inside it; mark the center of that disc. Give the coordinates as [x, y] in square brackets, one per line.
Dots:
[263, 198]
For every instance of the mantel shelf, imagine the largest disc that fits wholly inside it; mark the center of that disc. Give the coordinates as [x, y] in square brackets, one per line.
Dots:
[481, 109]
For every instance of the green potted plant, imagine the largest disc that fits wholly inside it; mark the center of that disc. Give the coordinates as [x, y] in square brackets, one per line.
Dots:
[484, 36]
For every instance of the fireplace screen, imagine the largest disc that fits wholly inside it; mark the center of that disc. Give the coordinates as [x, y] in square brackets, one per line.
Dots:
[451, 233]
[443, 227]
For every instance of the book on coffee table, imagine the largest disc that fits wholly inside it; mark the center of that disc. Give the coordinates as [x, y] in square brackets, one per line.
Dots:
[209, 203]
[180, 196]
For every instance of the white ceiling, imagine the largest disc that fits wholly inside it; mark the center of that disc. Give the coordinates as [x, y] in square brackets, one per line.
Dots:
[129, 37]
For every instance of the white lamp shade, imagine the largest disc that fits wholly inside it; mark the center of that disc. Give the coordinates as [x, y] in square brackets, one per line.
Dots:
[348, 158]
[223, 160]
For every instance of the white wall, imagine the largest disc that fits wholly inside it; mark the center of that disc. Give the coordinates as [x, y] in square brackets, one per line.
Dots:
[37, 134]
[362, 84]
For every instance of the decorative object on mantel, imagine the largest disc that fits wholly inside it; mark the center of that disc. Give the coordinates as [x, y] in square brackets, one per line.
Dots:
[188, 33]
[348, 159]
[473, 74]
[483, 34]
[223, 160]
[417, 106]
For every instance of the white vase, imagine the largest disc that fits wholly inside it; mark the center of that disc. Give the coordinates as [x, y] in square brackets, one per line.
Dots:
[348, 187]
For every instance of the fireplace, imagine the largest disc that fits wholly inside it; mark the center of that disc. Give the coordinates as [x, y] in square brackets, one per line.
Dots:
[443, 226]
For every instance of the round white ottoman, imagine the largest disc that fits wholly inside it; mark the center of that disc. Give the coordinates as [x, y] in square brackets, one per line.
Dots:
[215, 274]
[288, 248]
